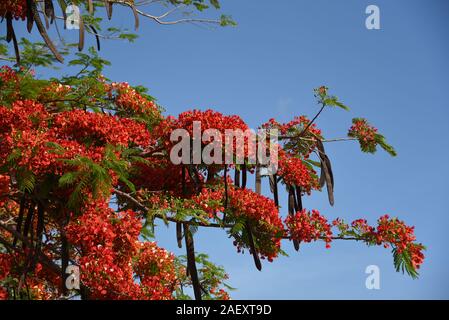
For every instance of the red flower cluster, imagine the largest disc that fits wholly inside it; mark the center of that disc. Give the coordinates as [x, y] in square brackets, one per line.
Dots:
[399, 235]
[41, 139]
[389, 232]
[100, 129]
[264, 217]
[365, 133]
[209, 119]
[309, 226]
[296, 173]
[156, 270]
[210, 201]
[111, 255]
[39, 284]
[296, 125]
[128, 99]
[7, 75]
[16, 7]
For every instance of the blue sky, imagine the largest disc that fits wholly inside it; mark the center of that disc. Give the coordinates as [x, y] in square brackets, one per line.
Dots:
[267, 66]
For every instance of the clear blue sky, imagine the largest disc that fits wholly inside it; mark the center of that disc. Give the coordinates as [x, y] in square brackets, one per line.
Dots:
[266, 67]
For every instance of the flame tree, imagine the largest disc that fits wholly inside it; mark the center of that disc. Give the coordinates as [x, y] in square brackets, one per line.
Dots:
[85, 172]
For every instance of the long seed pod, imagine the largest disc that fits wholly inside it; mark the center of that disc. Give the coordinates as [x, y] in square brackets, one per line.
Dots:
[108, 6]
[31, 4]
[274, 188]
[9, 27]
[81, 35]
[253, 247]
[11, 35]
[30, 16]
[210, 174]
[19, 219]
[298, 199]
[292, 207]
[50, 10]
[329, 185]
[39, 233]
[179, 234]
[91, 7]
[237, 178]
[225, 177]
[28, 220]
[326, 172]
[258, 180]
[244, 176]
[47, 23]
[97, 37]
[191, 263]
[136, 17]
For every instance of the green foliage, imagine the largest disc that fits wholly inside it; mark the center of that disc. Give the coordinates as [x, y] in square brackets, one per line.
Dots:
[211, 277]
[93, 177]
[91, 63]
[32, 54]
[371, 147]
[403, 262]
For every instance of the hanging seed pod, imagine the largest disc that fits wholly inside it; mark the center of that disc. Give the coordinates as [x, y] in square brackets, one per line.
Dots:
[49, 10]
[191, 263]
[292, 206]
[179, 234]
[11, 35]
[237, 178]
[252, 246]
[97, 37]
[90, 6]
[81, 35]
[326, 172]
[244, 176]
[32, 6]
[258, 182]
[108, 6]
[274, 188]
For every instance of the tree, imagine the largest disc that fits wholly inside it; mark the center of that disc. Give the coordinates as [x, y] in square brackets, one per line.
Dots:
[86, 169]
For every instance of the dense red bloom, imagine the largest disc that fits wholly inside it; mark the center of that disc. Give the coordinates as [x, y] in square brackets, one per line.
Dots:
[210, 201]
[156, 270]
[128, 99]
[297, 125]
[265, 217]
[365, 133]
[208, 119]
[296, 173]
[309, 226]
[101, 129]
[111, 255]
[389, 232]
